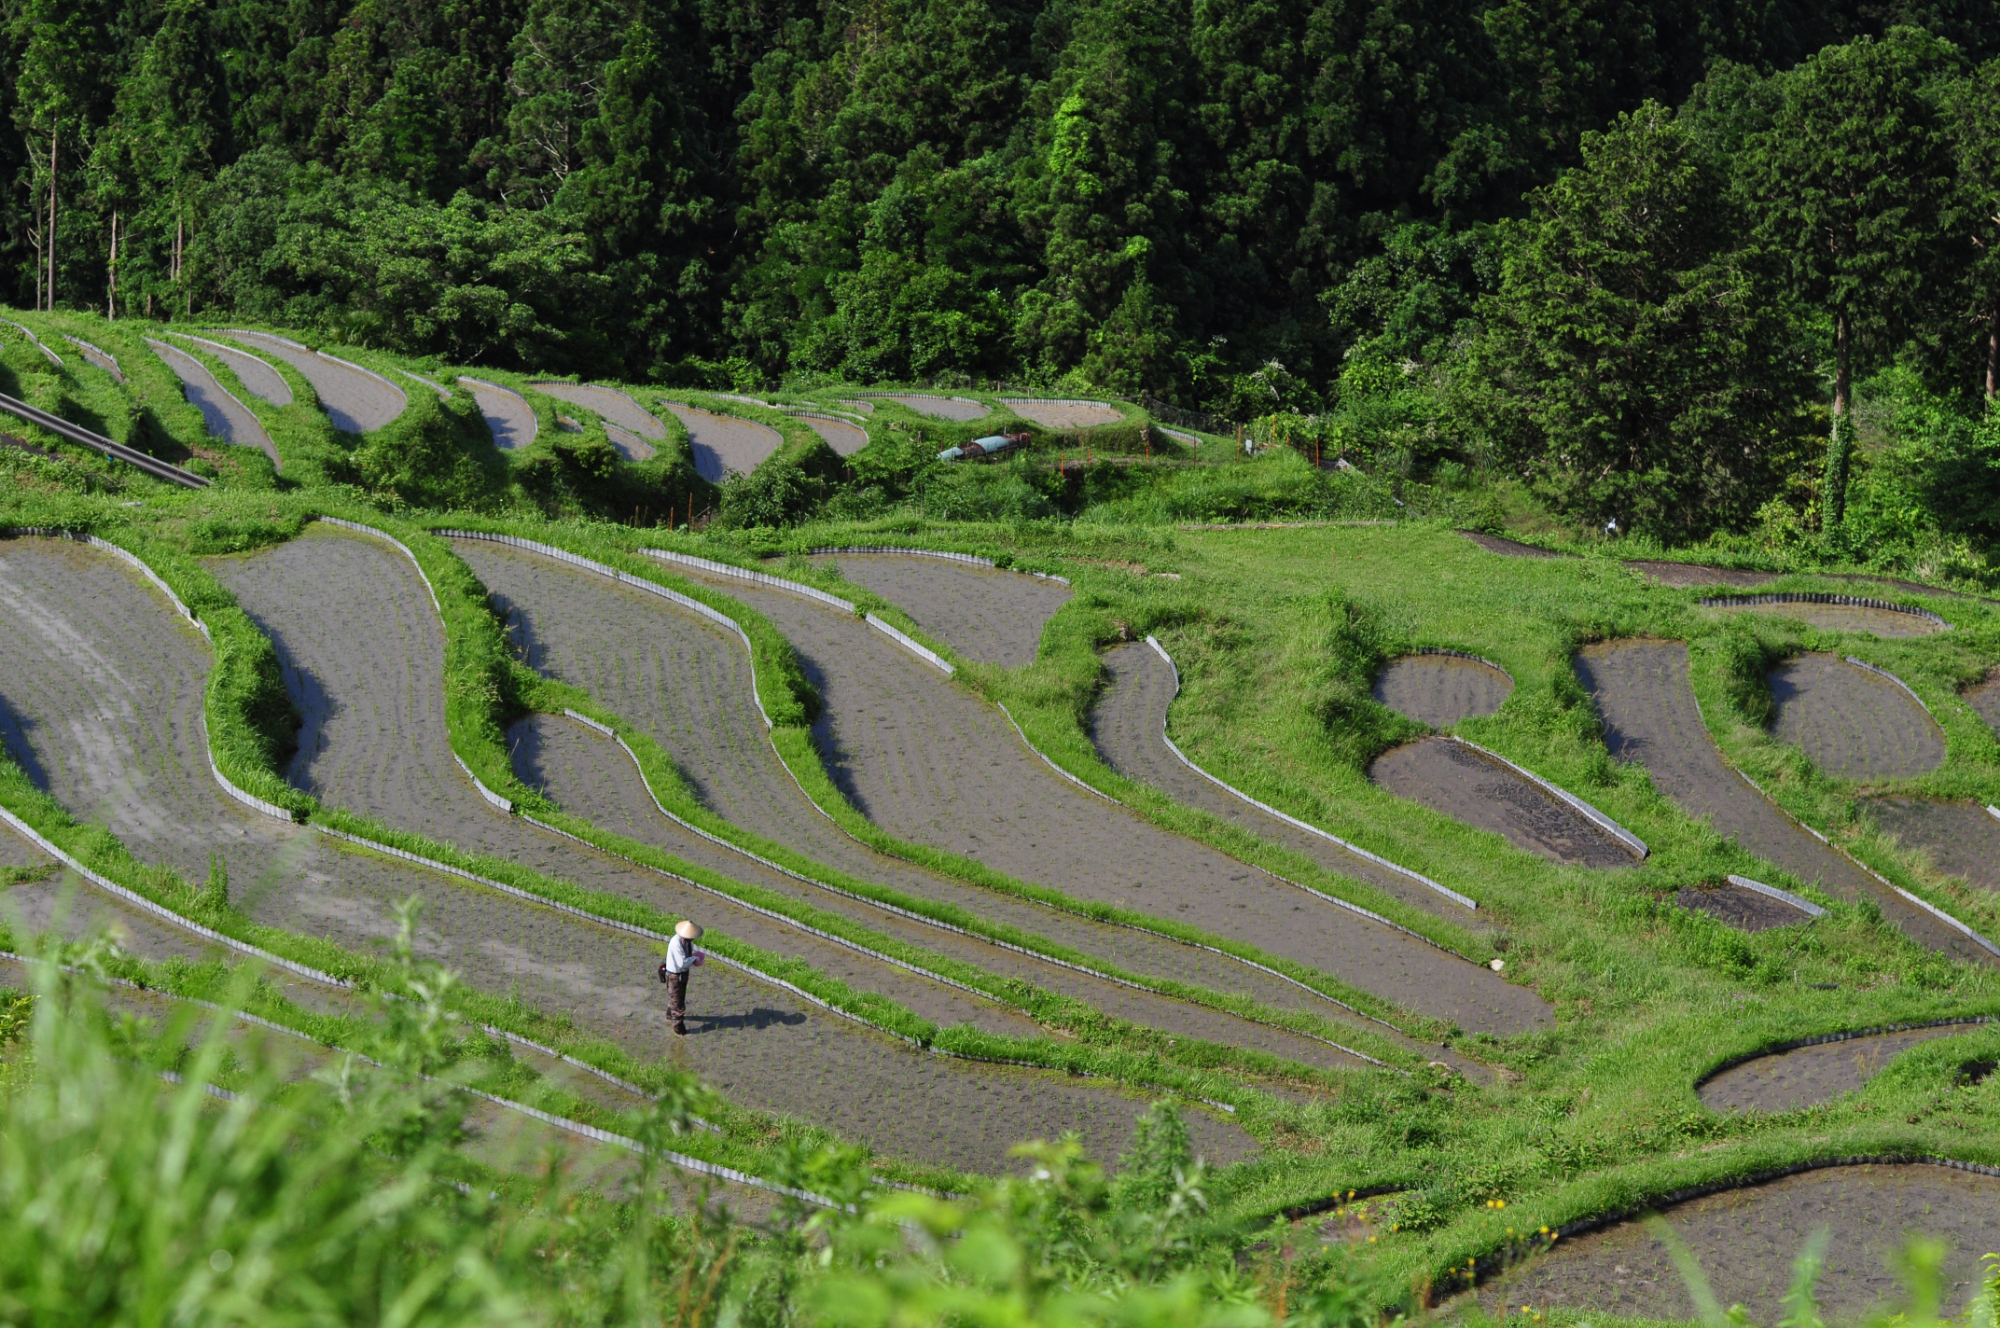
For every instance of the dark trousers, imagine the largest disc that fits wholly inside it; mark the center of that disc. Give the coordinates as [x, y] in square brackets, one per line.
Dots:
[677, 1000]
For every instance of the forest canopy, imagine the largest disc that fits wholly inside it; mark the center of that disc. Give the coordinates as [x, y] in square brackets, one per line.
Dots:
[1639, 255]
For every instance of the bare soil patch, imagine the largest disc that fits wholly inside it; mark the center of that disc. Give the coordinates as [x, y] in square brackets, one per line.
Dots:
[1128, 726]
[687, 686]
[1852, 723]
[1453, 780]
[1064, 414]
[1745, 910]
[356, 402]
[1684, 575]
[725, 445]
[942, 408]
[349, 612]
[1500, 544]
[614, 406]
[509, 417]
[1746, 1241]
[1962, 838]
[1885, 623]
[843, 436]
[1808, 1076]
[1650, 716]
[222, 414]
[983, 613]
[1440, 690]
[931, 764]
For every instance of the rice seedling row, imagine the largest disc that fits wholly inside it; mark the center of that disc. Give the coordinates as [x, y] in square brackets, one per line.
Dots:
[1854, 724]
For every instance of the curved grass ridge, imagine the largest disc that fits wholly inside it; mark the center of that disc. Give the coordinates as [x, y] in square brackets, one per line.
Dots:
[793, 744]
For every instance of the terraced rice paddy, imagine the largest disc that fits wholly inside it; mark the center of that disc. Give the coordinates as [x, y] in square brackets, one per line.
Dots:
[1454, 780]
[982, 613]
[1854, 724]
[612, 405]
[1890, 624]
[103, 359]
[961, 409]
[1746, 1241]
[226, 417]
[1651, 718]
[843, 436]
[1985, 699]
[1505, 547]
[725, 445]
[1685, 575]
[1734, 906]
[258, 378]
[1440, 690]
[930, 764]
[1064, 414]
[356, 400]
[1962, 839]
[687, 685]
[1128, 726]
[509, 417]
[1808, 1076]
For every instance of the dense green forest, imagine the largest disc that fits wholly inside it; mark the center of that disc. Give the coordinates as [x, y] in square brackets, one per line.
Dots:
[1646, 257]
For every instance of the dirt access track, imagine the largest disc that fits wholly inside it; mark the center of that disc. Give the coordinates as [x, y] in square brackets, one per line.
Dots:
[930, 763]
[1440, 690]
[1746, 1240]
[1452, 779]
[221, 413]
[1650, 716]
[1808, 1076]
[1853, 723]
[108, 685]
[1128, 727]
[983, 613]
[686, 684]
[356, 400]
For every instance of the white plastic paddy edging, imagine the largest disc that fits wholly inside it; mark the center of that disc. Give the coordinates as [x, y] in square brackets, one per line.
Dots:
[1293, 821]
[443, 392]
[1805, 906]
[1884, 673]
[89, 350]
[911, 914]
[715, 616]
[972, 558]
[921, 651]
[1564, 796]
[1930, 908]
[1993, 811]
[745, 574]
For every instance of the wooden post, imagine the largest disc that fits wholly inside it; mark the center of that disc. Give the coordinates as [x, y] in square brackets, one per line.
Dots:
[111, 286]
[55, 136]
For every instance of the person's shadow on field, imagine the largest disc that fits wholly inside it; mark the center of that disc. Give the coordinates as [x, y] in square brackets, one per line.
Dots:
[759, 1018]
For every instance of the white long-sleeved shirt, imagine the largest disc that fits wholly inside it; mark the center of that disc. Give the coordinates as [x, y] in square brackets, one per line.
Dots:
[681, 955]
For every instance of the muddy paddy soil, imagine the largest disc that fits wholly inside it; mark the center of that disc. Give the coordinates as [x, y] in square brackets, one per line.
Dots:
[221, 413]
[1441, 690]
[1746, 1241]
[1456, 781]
[1745, 910]
[1808, 1076]
[349, 612]
[356, 402]
[1127, 725]
[930, 763]
[1064, 414]
[844, 437]
[1852, 723]
[614, 406]
[1985, 698]
[1650, 717]
[983, 613]
[688, 686]
[725, 445]
[112, 640]
[1962, 838]
[1887, 623]
[509, 417]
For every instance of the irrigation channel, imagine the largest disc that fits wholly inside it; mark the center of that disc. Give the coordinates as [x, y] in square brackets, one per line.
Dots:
[683, 682]
[357, 400]
[364, 656]
[931, 764]
[1129, 729]
[1651, 717]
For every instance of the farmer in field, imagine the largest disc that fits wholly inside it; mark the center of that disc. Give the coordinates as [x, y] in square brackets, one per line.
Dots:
[682, 959]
